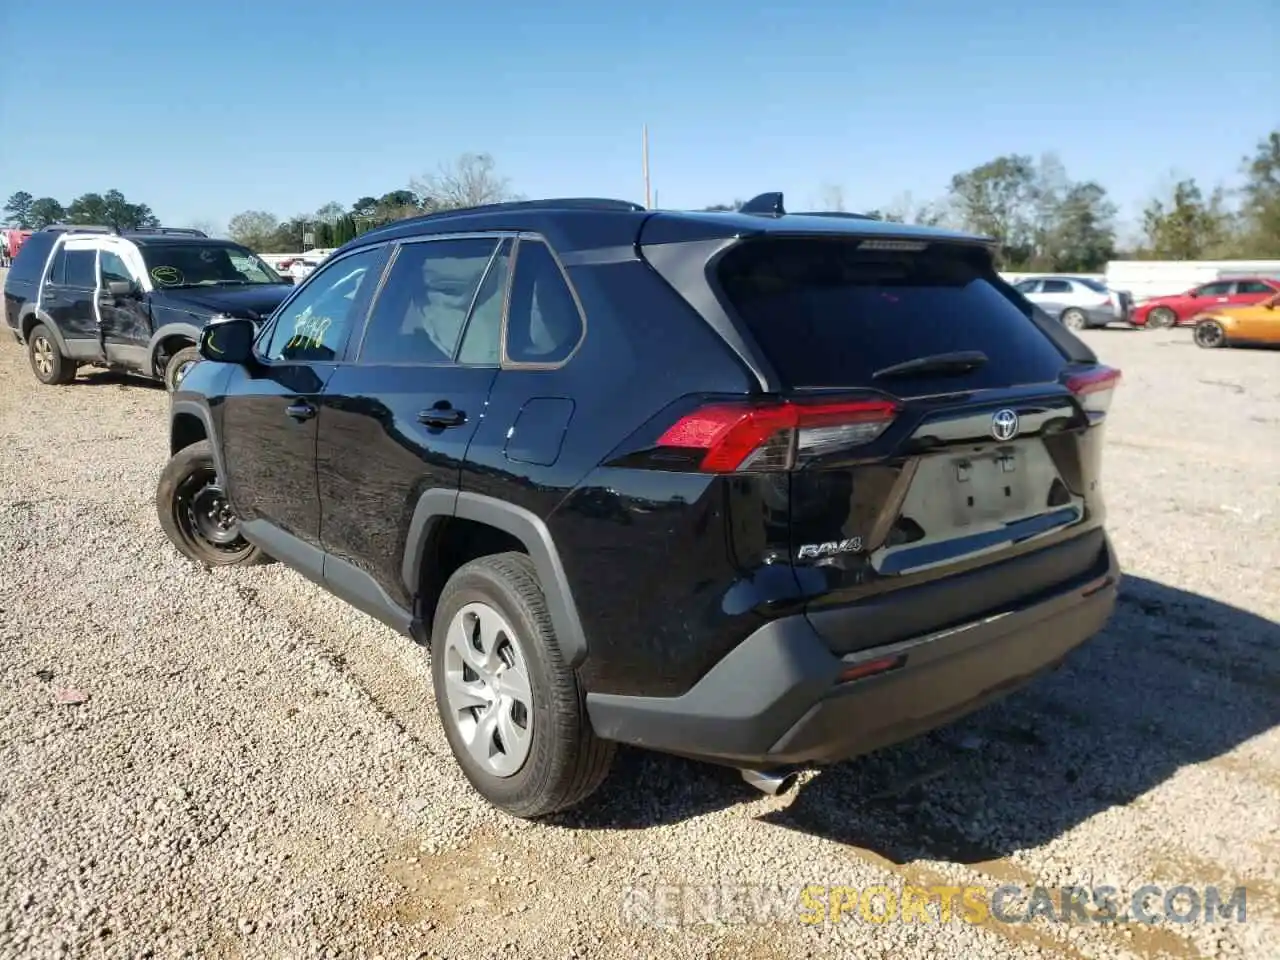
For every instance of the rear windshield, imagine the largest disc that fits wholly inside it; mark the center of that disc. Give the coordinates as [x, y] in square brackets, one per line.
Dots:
[830, 315]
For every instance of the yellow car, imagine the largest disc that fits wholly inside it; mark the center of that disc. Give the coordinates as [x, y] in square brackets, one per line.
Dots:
[1254, 323]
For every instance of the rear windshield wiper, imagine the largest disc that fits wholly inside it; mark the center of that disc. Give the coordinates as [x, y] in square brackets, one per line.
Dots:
[960, 362]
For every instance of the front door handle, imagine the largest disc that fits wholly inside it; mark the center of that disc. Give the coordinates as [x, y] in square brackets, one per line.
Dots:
[301, 410]
[442, 416]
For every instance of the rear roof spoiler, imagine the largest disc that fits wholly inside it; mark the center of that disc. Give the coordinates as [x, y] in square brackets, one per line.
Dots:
[771, 205]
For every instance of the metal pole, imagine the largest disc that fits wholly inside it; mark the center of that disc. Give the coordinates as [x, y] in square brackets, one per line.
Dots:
[647, 204]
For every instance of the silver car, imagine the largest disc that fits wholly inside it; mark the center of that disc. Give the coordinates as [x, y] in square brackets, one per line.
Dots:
[1079, 302]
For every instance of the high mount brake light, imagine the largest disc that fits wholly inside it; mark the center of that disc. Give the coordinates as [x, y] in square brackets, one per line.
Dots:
[1094, 388]
[776, 436]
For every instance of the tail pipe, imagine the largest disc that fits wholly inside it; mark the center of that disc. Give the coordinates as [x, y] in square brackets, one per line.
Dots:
[772, 782]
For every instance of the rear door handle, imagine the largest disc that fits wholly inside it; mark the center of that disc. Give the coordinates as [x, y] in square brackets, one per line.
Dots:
[442, 417]
[301, 410]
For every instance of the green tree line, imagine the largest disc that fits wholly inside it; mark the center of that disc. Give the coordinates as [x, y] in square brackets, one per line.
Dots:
[1043, 219]
[470, 180]
[110, 209]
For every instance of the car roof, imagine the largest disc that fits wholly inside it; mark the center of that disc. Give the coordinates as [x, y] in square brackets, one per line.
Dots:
[151, 240]
[586, 222]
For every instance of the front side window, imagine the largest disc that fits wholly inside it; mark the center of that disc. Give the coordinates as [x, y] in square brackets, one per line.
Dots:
[313, 327]
[1214, 290]
[424, 305]
[113, 269]
[195, 263]
[543, 321]
[1026, 286]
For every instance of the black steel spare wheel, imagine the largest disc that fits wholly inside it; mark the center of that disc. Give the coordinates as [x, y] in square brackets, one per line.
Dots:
[196, 515]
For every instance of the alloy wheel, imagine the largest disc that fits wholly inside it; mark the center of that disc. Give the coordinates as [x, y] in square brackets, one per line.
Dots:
[42, 356]
[1209, 334]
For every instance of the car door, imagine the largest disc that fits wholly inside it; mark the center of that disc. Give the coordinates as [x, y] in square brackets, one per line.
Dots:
[67, 296]
[1250, 291]
[398, 418]
[1055, 296]
[1259, 321]
[80, 290]
[1210, 295]
[271, 407]
[125, 317]
[1029, 289]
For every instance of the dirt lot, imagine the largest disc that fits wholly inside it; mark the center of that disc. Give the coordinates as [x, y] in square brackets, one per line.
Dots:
[258, 769]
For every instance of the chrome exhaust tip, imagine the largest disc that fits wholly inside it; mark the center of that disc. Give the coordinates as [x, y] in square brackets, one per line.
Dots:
[772, 782]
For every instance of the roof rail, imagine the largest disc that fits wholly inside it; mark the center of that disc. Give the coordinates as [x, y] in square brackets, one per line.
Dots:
[77, 228]
[563, 203]
[169, 231]
[100, 228]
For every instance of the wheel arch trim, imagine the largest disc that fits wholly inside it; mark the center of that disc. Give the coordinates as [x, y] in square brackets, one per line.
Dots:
[187, 331]
[43, 319]
[190, 408]
[436, 505]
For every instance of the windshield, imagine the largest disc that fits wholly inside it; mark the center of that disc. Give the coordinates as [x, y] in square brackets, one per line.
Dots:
[204, 264]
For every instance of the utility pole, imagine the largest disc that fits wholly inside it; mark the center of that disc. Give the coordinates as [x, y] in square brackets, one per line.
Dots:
[647, 204]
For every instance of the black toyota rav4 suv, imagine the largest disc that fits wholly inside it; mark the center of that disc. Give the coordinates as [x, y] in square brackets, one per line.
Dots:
[756, 488]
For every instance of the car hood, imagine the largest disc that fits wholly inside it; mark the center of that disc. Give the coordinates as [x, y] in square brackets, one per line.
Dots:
[255, 301]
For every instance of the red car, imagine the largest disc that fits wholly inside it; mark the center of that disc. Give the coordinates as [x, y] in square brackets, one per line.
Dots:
[1179, 308]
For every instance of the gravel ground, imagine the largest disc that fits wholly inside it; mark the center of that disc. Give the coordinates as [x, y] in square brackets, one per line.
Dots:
[258, 771]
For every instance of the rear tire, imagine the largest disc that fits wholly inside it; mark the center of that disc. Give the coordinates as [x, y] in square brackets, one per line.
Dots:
[1161, 318]
[195, 515]
[47, 362]
[176, 366]
[493, 650]
[1210, 335]
[1074, 319]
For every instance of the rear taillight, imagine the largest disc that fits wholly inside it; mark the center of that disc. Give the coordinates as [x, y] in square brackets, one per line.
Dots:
[767, 437]
[1094, 388]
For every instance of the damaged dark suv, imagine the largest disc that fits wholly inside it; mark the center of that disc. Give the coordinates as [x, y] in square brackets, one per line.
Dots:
[757, 488]
[131, 300]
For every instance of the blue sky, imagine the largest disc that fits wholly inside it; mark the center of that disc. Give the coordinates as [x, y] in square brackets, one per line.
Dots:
[211, 109]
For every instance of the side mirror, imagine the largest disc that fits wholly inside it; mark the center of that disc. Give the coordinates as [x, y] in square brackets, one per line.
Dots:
[121, 288]
[228, 340]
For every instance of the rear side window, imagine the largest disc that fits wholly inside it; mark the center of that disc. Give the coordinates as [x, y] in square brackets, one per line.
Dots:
[1253, 286]
[82, 269]
[29, 263]
[830, 315]
[543, 321]
[1057, 286]
[1094, 285]
[420, 313]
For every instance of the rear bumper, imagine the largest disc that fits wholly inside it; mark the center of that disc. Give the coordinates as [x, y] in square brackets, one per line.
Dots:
[1101, 316]
[775, 700]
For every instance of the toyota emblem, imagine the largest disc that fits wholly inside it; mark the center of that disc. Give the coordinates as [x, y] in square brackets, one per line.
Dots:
[1004, 425]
